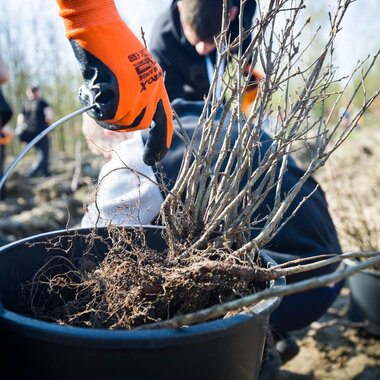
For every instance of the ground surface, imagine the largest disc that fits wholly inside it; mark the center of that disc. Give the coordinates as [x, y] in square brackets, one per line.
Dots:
[334, 349]
[351, 181]
[338, 352]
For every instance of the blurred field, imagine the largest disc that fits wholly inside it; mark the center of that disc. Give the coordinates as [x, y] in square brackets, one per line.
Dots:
[333, 348]
[351, 180]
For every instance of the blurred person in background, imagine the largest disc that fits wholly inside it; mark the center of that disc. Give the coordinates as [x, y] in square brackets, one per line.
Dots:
[6, 134]
[36, 115]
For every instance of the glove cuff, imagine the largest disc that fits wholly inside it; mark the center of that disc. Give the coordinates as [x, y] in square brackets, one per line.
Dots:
[79, 14]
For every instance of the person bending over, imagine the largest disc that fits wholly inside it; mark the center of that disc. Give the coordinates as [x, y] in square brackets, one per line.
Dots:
[183, 43]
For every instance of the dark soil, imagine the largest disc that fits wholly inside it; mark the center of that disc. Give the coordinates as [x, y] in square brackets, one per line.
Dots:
[133, 286]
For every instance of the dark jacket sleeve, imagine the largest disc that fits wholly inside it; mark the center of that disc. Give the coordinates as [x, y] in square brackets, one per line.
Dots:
[174, 83]
[164, 47]
[44, 104]
[248, 16]
[249, 8]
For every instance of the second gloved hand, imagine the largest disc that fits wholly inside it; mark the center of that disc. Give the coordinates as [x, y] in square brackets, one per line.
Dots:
[119, 74]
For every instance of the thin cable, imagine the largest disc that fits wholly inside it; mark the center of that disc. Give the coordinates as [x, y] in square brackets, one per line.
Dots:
[38, 138]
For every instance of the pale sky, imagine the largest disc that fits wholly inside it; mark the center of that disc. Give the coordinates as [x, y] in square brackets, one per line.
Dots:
[360, 35]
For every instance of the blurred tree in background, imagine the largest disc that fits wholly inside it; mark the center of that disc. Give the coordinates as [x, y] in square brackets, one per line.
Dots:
[37, 52]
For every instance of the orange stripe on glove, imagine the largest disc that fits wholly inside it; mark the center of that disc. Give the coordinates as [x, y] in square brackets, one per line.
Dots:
[120, 76]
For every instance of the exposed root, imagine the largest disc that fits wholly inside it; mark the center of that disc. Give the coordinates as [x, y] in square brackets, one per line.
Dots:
[134, 285]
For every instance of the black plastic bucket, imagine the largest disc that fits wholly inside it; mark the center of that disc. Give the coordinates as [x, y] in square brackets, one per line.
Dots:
[365, 298]
[229, 348]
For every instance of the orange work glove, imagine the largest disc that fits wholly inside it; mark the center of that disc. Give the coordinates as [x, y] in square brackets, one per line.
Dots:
[6, 136]
[119, 74]
[251, 91]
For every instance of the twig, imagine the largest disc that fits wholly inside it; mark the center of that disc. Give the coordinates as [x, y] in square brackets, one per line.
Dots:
[276, 291]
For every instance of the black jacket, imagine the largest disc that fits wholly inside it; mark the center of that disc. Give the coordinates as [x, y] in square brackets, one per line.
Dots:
[310, 232]
[185, 70]
[34, 114]
[5, 110]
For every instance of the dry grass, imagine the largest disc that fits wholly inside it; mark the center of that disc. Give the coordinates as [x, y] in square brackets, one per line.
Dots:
[351, 180]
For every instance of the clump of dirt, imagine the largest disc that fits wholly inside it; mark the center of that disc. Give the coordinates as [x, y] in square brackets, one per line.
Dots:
[134, 285]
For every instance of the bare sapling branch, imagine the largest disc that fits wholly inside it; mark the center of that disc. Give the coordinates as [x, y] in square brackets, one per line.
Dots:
[230, 197]
[225, 175]
[275, 291]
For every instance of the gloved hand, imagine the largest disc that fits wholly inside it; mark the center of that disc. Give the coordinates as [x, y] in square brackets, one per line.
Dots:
[120, 76]
[251, 91]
